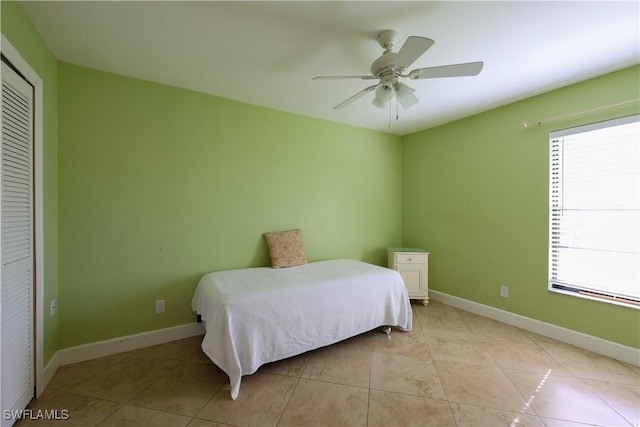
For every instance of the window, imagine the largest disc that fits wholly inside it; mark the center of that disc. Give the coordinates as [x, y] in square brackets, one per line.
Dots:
[595, 211]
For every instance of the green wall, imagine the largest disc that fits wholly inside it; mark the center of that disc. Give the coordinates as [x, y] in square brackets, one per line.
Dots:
[147, 187]
[476, 196]
[159, 185]
[17, 28]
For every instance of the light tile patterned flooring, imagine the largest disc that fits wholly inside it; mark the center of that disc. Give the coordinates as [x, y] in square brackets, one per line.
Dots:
[454, 369]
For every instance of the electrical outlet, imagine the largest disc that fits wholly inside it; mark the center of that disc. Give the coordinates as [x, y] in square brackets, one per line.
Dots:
[504, 291]
[160, 306]
[52, 307]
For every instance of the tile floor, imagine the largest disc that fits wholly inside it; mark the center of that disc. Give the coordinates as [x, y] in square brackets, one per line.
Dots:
[454, 369]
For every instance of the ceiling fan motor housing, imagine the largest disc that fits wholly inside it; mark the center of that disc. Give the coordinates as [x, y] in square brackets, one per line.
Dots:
[384, 66]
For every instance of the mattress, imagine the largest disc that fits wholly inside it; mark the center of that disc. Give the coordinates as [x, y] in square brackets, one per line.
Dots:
[255, 316]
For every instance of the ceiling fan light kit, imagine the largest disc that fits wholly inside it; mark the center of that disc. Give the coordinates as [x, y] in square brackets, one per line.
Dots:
[405, 95]
[383, 95]
[391, 66]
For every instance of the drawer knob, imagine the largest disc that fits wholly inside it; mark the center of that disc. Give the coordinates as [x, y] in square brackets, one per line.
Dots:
[410, 259]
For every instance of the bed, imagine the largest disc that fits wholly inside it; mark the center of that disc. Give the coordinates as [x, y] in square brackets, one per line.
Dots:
[259, 315]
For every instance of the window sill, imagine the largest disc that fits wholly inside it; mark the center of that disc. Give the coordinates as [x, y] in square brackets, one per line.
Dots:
[599, 298]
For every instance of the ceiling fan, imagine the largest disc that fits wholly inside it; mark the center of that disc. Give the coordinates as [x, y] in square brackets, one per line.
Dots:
[391, 67]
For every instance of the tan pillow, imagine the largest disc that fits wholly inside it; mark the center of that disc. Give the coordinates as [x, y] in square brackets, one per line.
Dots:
[285, 248]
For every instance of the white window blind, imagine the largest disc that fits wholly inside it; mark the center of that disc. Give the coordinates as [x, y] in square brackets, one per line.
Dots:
[595, 211]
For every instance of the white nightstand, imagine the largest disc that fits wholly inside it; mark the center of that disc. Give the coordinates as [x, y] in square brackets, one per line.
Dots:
[413, 266]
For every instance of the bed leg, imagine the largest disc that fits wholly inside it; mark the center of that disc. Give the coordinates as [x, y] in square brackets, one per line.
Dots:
[386, 329]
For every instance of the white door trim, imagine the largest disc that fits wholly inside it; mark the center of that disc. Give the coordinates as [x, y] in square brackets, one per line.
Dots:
[29, 73]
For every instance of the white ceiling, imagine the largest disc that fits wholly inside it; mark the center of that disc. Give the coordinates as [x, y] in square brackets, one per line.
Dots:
[265, 53]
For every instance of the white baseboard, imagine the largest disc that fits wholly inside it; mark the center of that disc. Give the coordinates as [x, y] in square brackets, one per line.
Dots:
[48, 372]
[597, 345]
[95, 350]
[99, 349]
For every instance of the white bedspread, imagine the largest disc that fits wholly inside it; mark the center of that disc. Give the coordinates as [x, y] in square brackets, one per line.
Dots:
[259, 315]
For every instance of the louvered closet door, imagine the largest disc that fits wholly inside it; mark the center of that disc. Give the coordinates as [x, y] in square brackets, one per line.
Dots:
[17, 242]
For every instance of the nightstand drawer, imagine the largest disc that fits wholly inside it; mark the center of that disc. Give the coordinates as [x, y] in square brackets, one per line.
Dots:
[411, 258]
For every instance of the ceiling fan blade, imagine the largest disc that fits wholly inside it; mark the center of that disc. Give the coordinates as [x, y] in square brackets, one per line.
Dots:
[344, 77]
[411, 50]
[453, 70]
[355, 97]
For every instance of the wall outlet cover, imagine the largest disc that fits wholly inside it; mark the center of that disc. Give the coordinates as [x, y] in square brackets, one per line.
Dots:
[160, 306]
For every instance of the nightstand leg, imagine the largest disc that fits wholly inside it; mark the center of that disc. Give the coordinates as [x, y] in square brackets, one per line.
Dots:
[425, 302]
